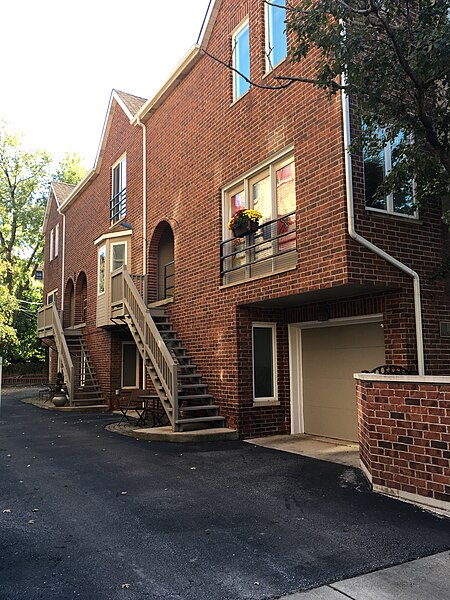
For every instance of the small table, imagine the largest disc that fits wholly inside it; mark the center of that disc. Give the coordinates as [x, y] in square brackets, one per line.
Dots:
[138, 407]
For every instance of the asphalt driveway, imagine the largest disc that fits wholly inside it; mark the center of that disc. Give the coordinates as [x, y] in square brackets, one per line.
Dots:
[85, 513]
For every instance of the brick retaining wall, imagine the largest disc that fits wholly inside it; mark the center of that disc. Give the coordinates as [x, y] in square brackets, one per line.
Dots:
[404, 433]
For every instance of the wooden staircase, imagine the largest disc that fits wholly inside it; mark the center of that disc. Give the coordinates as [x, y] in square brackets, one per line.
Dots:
[179, 386]
[86, 389]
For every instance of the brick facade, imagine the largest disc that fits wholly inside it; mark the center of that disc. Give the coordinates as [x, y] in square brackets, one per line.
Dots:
[404, 429]
[197, 142]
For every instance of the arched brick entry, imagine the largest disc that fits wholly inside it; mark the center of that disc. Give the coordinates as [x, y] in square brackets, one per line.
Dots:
[81, 299]
[161, 263]
[69, 304]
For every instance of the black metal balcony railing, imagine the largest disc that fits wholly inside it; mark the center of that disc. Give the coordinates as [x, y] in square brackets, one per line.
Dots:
[169, 279]
[272, 248]
[118, 206]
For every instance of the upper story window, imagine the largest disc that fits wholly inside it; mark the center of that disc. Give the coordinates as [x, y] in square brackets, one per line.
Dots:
[101, 269]
[270, 190]
[56, 240]
[376, 168]
[52, 244]
[276, 40]
[241, 59]
[118, 207]
[118, 255]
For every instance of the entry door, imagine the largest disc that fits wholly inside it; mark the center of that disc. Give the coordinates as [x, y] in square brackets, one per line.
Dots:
[330, 356]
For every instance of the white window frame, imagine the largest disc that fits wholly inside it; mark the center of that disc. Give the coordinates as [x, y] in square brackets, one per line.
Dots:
[52, 244]
[56, 240]
[269, 66]
[52, 294]
[122, 162]
[130, 387]
[274, 398]
[112, 253]
[387, 156]
[99, 291]
[271, 165]
[245, 23]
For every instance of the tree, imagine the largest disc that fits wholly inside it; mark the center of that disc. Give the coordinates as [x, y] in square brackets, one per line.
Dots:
[24, 187]
[395, 60]
[70, 169]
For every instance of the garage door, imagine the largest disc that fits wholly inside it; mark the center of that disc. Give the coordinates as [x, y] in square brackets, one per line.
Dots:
[330, 356]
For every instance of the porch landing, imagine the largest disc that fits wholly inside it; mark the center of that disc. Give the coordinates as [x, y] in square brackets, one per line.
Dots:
[165, 434]
[331, 450]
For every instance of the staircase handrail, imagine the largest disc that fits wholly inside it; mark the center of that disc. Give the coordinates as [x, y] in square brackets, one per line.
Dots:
[63, 351]
[154, 346]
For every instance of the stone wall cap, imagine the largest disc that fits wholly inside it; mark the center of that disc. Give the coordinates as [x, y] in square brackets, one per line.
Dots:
[445, 379]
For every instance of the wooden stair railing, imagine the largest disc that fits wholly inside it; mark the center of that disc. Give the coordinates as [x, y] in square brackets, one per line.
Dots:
[151, 346]
[49, 325]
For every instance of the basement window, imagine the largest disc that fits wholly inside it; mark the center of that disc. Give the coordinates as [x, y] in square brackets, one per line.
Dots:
[264, 362]
[130, 365]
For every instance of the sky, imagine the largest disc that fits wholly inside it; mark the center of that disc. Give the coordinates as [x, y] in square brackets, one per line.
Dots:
[61, 59]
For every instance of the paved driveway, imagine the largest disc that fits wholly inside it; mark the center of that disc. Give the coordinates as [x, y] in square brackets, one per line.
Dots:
[222, 521]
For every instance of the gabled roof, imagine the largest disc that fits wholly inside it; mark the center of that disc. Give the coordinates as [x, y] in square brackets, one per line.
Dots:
[132, 103]
[129, 104]
[59, 190]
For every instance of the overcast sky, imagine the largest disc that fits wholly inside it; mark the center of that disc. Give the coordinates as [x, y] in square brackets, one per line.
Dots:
[61, 59]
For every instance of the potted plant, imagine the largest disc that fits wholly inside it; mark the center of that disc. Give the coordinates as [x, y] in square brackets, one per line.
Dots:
[244, 222]
[59, 398]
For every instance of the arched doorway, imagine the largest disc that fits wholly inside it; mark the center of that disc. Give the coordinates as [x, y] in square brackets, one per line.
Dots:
[69, 304]
[162, 263]
[81, 299]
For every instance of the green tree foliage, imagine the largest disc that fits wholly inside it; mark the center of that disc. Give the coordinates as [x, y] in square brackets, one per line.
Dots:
[70, 169]
[24, 186]
[395, 60]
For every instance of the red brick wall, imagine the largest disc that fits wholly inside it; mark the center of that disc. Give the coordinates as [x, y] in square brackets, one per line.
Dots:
[404, 430]
[52, 269]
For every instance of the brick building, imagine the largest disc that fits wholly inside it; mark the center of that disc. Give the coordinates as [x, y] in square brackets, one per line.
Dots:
[264, 331]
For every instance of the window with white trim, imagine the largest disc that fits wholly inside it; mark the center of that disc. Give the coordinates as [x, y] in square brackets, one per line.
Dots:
[118, 205]
[56, 240]
[241, 59]
[376, 168]
[52, 297]
[130, 365]
[276, 39]
[118, 255]
[52, 245]
[101, 269]
[269, 189]
[264, 362]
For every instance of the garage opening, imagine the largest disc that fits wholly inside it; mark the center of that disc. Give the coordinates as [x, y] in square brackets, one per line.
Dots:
[323, 362]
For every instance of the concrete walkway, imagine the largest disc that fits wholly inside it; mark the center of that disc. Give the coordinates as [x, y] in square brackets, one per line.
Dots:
[423, 579]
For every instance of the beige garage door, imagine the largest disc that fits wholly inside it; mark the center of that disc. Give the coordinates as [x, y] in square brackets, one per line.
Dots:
[330, 356]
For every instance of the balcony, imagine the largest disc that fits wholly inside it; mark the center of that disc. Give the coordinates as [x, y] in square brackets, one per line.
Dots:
[272, 249]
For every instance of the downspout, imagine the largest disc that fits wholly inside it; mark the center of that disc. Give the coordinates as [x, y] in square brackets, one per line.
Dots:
[361, 240]
[144, 196]
[63, 263]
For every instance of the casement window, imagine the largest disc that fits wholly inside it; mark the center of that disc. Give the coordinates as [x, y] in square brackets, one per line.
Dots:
[264, 362]
[52, 297]
[118, 205]
[52, 244]
[118, 255]
[376, 168]
[269, 189]
[276, 40]
[130, 365]
[241, 59]
[56, 240]
[101, 269]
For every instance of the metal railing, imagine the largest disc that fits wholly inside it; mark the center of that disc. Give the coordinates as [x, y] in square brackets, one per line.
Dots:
[169, 279]
[149, 341]
[49, 325]
[118, 206]
[272, 248]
